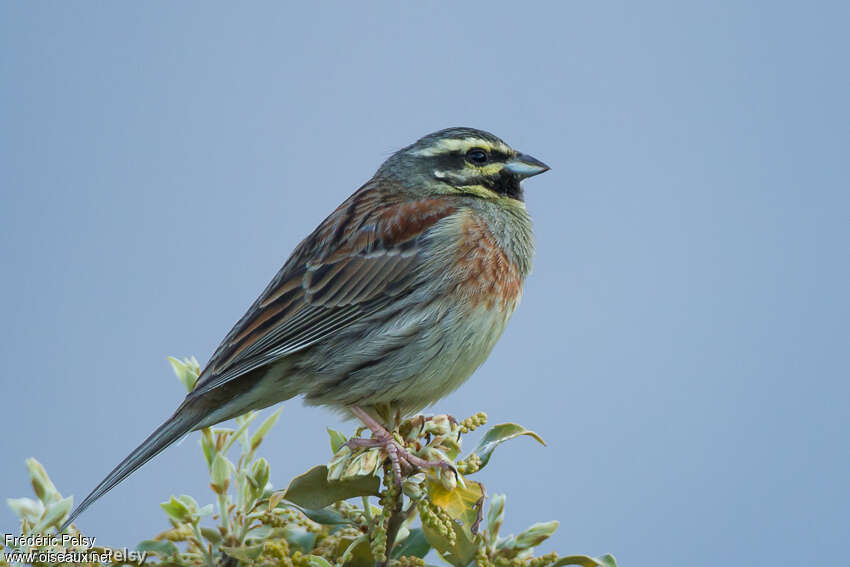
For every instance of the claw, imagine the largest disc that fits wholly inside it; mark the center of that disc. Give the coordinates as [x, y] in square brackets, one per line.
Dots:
[397, 453]
[358, 443]
[424, 464]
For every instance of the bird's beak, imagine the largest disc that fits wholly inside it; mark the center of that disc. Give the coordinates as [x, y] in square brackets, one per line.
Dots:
[523, 166]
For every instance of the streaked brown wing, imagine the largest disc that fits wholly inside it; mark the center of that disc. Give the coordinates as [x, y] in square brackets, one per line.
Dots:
[356, 262]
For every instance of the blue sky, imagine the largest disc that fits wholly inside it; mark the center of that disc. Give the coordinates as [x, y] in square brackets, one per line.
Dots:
[682, 343]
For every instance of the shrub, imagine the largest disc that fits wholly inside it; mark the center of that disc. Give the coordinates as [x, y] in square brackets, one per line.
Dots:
[349, 512]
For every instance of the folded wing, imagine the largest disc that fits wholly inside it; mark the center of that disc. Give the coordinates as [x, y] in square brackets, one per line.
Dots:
[358, 261]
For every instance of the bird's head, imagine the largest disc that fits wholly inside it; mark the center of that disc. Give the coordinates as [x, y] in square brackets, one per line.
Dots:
[463, 161]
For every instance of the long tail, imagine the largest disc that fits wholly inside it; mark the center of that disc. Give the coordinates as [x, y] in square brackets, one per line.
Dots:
[183, 420]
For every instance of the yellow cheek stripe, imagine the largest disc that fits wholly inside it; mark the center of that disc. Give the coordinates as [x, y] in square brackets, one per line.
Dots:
[488, 170]
[479, 191]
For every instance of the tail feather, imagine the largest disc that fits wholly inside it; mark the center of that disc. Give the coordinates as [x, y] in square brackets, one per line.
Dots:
[183, 420]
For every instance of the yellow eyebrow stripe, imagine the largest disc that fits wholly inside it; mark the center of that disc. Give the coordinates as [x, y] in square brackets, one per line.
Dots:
[470, 172]
[461, 145]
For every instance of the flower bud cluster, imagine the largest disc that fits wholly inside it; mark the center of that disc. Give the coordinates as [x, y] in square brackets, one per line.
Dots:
[508, 562]
[408, 561]
[378, 543]
[437, 519]
[501, 561]
[390, 501]
[481, 558]
[413, 486]
[470, 464]
[543, 560]
[473, 422]
[260, 527]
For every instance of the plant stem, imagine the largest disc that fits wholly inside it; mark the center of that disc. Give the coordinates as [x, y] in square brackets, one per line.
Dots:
[224, 512]
[367, 509]
[393, 524]
[210, 562]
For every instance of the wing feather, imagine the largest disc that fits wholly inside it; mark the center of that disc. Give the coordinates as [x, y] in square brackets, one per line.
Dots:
[354, 264]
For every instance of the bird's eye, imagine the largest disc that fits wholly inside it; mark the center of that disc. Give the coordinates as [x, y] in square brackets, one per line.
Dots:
[476, 156]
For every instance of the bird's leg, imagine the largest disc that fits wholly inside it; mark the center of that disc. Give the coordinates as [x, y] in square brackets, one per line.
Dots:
[381, 438]
[395, 450]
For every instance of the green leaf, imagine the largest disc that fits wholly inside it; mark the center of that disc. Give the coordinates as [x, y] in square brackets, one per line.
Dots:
[208, 445]
[243, 421]
[463, 505]
[313, 490]
[357, 552]
[220, 473]
[324, 516]
[499, 434]
[246, 553]
[415, 544]
[337, 439]
[259, 476]
[585, 561]
[460, 554]
[496, 515]
[536, 534]
[190, 503]
[274, 499]
[261, 432]
[54, 514]
[164, 548]
[319, 561]
[41, 483]
[463, 502]
[364, 463]
[213, 536]
[26, 508]
[175, 509]
[187, 371]
[260, 532]
[299, 537]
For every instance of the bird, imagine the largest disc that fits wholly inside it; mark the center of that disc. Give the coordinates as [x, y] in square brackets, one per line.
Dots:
[393, 301]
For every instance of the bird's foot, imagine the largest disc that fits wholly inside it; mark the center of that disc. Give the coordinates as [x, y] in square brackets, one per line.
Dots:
[398, 454]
